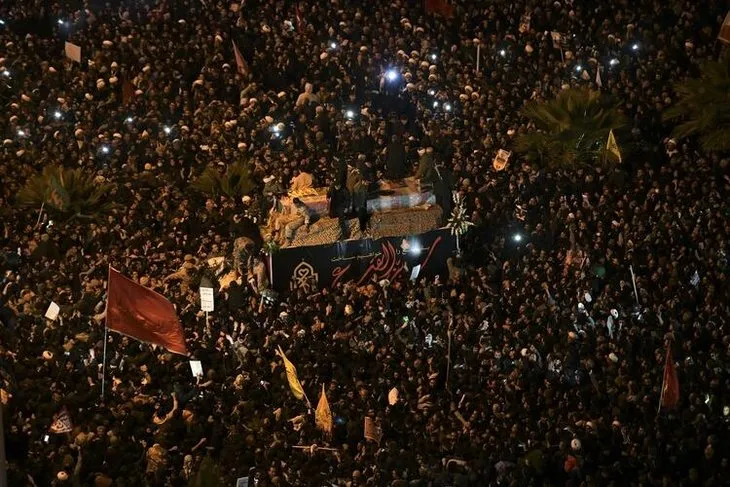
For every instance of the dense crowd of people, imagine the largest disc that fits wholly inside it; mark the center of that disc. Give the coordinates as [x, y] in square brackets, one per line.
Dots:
[555, 361]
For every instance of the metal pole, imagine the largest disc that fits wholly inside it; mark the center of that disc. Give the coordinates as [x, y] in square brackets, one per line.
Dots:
[103, 366]
[448, 353]
[478, 52]
[633, 280]
[3, 462]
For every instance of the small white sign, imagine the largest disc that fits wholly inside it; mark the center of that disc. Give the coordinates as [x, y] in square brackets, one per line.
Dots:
[415, 271]
[52, 311]
[197, 368]
[206, 299]
[242, 482]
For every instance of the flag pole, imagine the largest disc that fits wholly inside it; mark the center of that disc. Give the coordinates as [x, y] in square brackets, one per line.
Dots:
[633, 280]
[3, 463]
[103, 366]
[40, 214]
[448, 352]
[106, 331]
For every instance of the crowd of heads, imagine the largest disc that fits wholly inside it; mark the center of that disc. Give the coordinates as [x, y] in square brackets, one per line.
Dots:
[535, 360]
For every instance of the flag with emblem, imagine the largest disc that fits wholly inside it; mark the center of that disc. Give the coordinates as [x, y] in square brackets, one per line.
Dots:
[61, 423]
[323, 415]
[291, 375]
[612, 146]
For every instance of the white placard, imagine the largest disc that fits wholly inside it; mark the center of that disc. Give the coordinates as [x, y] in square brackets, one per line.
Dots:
[206, 299]
[242, 482]
[52, 311]
[197, 368]
[415, 271]
[73, 52]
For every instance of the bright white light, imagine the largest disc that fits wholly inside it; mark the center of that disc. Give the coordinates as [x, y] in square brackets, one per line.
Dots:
[431, 92]
[6, 73]
[167, 130]
[434, 57]
[60, 22]
[579, 68]
[130, 120]
[2, 22]
[517, 237]
[448, 107]
[503, 53]
[415, 248]
[613, 62]
[391, 75]
[635, 47]
[350, 114]
[105, 149]
[275, 128]
[21, 133]
[57, 115]
[435, 104]
[333, 45]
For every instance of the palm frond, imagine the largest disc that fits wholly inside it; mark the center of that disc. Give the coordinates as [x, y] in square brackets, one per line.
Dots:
[67, 193]
[571, 129]
[703, 106]
[235, 182]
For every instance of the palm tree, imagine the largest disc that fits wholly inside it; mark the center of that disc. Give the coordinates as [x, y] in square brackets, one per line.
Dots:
[208, 475]
[67, 193]
[571, 130]
[704, 106]
[235, 182]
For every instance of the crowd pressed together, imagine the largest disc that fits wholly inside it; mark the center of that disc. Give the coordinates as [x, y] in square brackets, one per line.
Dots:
[555, 372]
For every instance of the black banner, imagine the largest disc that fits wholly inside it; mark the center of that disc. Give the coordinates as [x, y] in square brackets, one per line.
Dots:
[362, 261]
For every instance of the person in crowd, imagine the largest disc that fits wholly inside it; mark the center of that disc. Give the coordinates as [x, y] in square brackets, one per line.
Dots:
[500, 377]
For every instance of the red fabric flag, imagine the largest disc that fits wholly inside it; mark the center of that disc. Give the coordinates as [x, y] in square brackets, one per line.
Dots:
[241, 64]
[141, 313]
[127, 92]
[439, 7]
[670, 387]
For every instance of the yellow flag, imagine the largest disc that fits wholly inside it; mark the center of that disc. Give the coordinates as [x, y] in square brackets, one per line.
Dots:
[323, 415]
[291, 375]
[612, 146]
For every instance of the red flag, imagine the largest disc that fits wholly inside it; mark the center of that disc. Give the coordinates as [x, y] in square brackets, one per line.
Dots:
[439, 7]
[127, 92]
[670, 386]
[241, 64]
[141, 313]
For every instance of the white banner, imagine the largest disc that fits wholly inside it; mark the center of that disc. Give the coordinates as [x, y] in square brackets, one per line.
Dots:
[206, 299]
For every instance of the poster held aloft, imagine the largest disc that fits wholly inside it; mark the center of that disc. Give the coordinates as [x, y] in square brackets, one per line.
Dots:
[52, 311]
[501, 160]
[206, 299]
[372, 431]
[197, 368]
[393, 397]
[73, 52]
